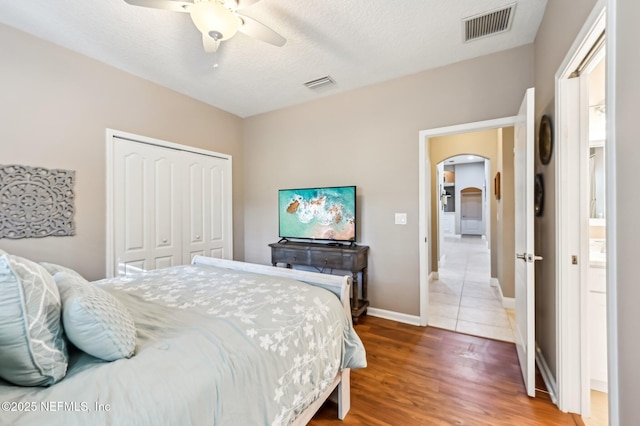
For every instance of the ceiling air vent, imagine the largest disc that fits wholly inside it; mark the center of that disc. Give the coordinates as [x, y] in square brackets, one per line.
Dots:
[494, 22]
[319, 82]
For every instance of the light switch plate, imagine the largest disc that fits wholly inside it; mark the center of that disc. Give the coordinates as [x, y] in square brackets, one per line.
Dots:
[401, 218]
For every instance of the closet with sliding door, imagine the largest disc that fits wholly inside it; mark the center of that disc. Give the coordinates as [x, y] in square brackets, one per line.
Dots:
[165, 204]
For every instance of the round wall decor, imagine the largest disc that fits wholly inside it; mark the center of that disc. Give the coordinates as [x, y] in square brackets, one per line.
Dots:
[545, 140]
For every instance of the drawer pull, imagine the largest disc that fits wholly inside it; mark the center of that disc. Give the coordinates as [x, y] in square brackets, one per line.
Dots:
[295, 258]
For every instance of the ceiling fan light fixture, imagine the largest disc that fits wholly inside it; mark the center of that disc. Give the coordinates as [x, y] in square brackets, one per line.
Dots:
[212, 17]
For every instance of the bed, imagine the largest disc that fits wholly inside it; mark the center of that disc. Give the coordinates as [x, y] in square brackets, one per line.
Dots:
[217, 342]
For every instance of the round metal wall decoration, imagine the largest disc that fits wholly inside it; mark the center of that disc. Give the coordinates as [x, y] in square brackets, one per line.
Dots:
[538, 197]
[545, 140]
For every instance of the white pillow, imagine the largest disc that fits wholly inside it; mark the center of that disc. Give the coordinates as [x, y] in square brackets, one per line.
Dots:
[94, 320]
[32, 349]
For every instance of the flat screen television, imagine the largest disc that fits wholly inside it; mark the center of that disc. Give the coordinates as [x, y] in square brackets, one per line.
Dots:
[327, 213]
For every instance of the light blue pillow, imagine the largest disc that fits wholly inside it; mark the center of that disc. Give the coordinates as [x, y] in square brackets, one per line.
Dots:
[53, 269]
[32, 349]
[95, 321]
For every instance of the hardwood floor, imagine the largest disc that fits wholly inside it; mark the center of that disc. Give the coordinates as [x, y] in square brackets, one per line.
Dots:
[430, 376]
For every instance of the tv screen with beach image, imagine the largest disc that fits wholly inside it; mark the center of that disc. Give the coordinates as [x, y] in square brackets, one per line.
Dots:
[327, 213]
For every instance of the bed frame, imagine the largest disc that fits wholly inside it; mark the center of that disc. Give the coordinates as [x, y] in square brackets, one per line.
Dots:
[340, 389]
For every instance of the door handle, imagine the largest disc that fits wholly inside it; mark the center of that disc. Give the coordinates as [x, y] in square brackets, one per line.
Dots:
[527, 257]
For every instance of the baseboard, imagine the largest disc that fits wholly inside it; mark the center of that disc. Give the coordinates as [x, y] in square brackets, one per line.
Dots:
[599, 385]
[507, 302]
[394, 316]
[433, 276]
[545, 372]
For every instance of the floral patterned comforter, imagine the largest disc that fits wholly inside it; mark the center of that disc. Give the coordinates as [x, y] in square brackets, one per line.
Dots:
[215, 347]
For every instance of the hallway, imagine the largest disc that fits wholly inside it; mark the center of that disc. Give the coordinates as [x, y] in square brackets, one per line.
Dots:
[462, 299]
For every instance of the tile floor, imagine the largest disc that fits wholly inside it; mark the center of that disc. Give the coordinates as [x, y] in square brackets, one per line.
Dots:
[462, 298]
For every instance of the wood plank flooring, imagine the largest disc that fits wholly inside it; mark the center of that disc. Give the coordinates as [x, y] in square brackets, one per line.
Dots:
[430, 376]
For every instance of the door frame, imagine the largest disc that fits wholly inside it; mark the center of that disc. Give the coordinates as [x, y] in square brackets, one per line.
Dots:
[571, 293]
[425, 233]
[110, 194]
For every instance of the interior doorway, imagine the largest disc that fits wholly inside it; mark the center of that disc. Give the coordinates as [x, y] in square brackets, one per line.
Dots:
[584, 349]
[431, 202]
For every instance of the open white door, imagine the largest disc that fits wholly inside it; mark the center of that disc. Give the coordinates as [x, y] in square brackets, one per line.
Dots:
[525, 258]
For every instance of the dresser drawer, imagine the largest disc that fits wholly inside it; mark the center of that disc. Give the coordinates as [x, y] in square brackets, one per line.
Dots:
[328, 259]
[298, 257]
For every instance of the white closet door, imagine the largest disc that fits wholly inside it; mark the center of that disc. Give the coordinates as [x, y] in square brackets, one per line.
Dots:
[207, 211]
[146, 207]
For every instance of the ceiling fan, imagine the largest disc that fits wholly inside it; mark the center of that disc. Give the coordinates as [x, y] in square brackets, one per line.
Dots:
[217, 20]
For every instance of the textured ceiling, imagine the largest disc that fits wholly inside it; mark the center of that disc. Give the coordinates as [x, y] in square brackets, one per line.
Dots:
[356, 42]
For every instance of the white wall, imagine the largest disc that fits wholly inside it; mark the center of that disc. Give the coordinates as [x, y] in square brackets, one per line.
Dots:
[625, 204]
[55, 108]
[369, 137]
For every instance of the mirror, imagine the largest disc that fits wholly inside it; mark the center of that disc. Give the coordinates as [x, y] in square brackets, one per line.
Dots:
[597, 139]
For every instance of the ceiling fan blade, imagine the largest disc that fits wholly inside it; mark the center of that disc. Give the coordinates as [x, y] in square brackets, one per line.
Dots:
[246, 3]
[260, 31]
[210, 44]
[173, 5]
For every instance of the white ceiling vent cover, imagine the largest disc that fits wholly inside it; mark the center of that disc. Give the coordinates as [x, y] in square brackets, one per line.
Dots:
[486, 24]
[319, 82]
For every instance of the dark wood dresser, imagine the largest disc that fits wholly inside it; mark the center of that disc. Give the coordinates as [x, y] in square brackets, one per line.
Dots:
[326, 258]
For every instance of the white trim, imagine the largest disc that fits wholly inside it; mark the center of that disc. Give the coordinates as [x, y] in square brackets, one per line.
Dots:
[599, 385]
[109, 190]
[508, 302]
[424, 227]
[568, 300]
[394, 316]
[424, 196]
[571, 339]
[110, 225]
[612, 224]
[166, 144]
[546, 374]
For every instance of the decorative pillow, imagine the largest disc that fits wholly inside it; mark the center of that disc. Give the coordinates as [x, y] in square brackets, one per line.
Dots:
[53, 269]
[95, 321]
[32, 350]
